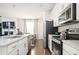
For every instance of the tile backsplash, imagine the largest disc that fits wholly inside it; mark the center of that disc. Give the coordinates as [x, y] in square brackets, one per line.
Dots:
[62, 28]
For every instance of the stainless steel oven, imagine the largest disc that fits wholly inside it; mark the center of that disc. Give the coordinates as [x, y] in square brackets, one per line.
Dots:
[57, 46]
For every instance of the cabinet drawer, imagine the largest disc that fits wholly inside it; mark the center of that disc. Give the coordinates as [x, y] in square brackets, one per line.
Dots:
[22, 41]
[65, 52]
[14, 52]
[12, 47]
[70, 50]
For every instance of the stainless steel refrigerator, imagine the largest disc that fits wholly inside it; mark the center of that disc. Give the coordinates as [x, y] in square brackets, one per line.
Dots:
[50, 29]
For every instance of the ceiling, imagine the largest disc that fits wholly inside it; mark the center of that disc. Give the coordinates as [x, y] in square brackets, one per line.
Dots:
[24, 10]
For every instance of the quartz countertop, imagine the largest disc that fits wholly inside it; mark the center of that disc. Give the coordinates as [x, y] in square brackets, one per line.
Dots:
[5, 41]
[72, 43]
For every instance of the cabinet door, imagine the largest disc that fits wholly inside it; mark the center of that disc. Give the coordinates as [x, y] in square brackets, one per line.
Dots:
[22, 49]
[11, 47]
[77, 11]
[70, 50]
[66, 5]
[65, 52]
[14, 52]
[26, 46]
[56, 22]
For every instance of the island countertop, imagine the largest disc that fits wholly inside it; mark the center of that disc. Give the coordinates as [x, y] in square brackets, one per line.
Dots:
[5, 41]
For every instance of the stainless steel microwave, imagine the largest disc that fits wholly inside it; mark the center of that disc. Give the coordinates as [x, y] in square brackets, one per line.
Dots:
[68, 14]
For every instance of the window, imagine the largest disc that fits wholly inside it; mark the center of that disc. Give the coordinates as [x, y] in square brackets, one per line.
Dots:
[11, 32]
[12, 25]
[30, 26]
[5, 25]
[6, 33]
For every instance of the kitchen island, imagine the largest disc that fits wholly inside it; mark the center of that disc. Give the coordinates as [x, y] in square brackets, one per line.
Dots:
[15, 44]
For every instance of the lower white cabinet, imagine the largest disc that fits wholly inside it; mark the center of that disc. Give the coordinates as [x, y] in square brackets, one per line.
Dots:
[14, 52]
[50, 42]
[65, 52]
[70, 48]
[22, 48]
[11, 47]
[18, 47]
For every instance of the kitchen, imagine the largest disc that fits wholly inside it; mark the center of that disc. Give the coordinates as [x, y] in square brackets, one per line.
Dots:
[56, 24]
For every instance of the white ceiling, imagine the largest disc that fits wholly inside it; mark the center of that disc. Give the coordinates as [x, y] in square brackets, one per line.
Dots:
[24, 10]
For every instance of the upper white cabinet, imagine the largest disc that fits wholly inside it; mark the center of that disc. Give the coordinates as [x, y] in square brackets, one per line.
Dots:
[64, 5]
[77, 11]
[58, 8]
[55, 13]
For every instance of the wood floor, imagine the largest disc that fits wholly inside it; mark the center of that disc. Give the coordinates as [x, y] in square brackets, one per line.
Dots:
[39, 49]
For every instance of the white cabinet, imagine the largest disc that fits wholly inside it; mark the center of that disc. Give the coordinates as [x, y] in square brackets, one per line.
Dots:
[22, 46]
[64, 5]
[7, 50]
[57, 10]
[12, 47]
[14, 52]
[70, 47]
[68, 50]
[77, 11]
[50, 42]
[3, 51]
[19, 46]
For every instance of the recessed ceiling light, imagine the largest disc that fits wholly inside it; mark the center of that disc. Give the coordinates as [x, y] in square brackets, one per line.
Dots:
[41, 5]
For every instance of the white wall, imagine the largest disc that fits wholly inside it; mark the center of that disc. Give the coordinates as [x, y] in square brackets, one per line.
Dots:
[36, 27]
[40, 28]
[20, 24]
[42, 25]
[55, 13]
